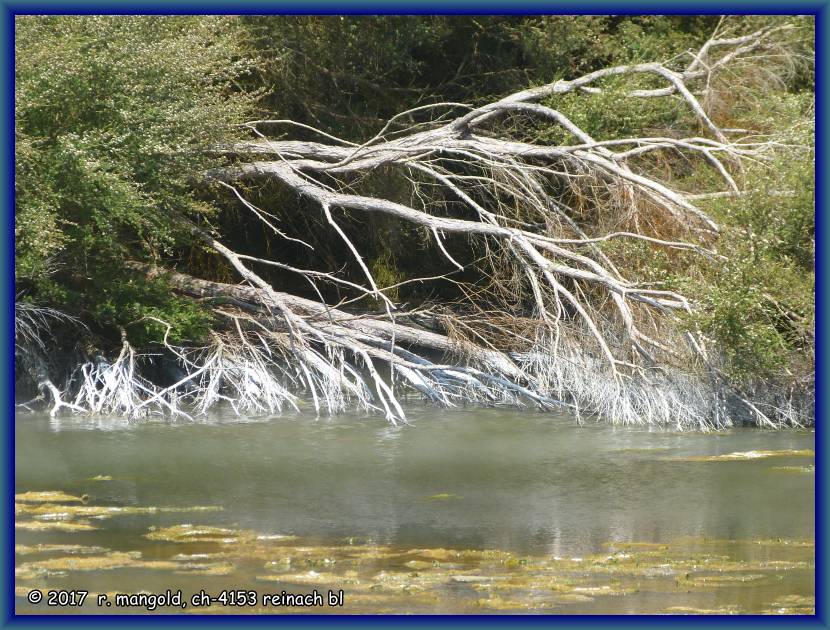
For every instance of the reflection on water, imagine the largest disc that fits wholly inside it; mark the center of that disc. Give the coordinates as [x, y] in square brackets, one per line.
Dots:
[465, 511]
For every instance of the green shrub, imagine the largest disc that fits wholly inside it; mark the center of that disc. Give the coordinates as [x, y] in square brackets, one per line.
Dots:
[760, 304]
[113, 117]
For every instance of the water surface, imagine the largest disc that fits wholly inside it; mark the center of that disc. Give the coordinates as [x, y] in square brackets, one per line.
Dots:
[549, 500]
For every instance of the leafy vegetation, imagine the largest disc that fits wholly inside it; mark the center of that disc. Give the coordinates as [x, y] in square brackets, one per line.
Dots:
[759, 306]
[112, 118]
[117, 116]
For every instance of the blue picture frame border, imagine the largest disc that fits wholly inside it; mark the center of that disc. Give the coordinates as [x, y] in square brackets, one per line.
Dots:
[8, 11]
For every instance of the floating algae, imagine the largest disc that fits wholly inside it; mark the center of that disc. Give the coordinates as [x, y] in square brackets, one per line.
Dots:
[101, 478]
[805, 470]
[724, 580]
[66, 564]
[690, 610]
[395, 603]
[795, 600]
[50, 510]
[187, 533]
[571, 598]
[51, 496]
[58, 511]
[744, 456]
[411, 581]
[763, 542]
[78, 526]
[109, 560]
[117, 560]
[23, 550]
[502, 604]
[792, 605]
[455, 555]
[462, 580]
[378, 577]
[605, 590]
[207, 568]
[466, 579]
[190, 557]
[312, 577]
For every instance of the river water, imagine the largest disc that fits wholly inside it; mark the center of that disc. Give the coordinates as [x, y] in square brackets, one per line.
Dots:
[472, 511]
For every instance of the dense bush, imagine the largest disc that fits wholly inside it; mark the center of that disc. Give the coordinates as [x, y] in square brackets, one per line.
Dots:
[114, 116]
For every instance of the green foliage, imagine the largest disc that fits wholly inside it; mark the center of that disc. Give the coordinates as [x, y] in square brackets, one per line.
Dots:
[759, 307]
[133, 302]
[760, 304]
[349, 74]
[612, 114]
[113, 118]
[386, 274]
[565, 46]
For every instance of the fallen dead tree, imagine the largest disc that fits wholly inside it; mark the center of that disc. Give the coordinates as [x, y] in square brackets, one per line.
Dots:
[592, 340]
